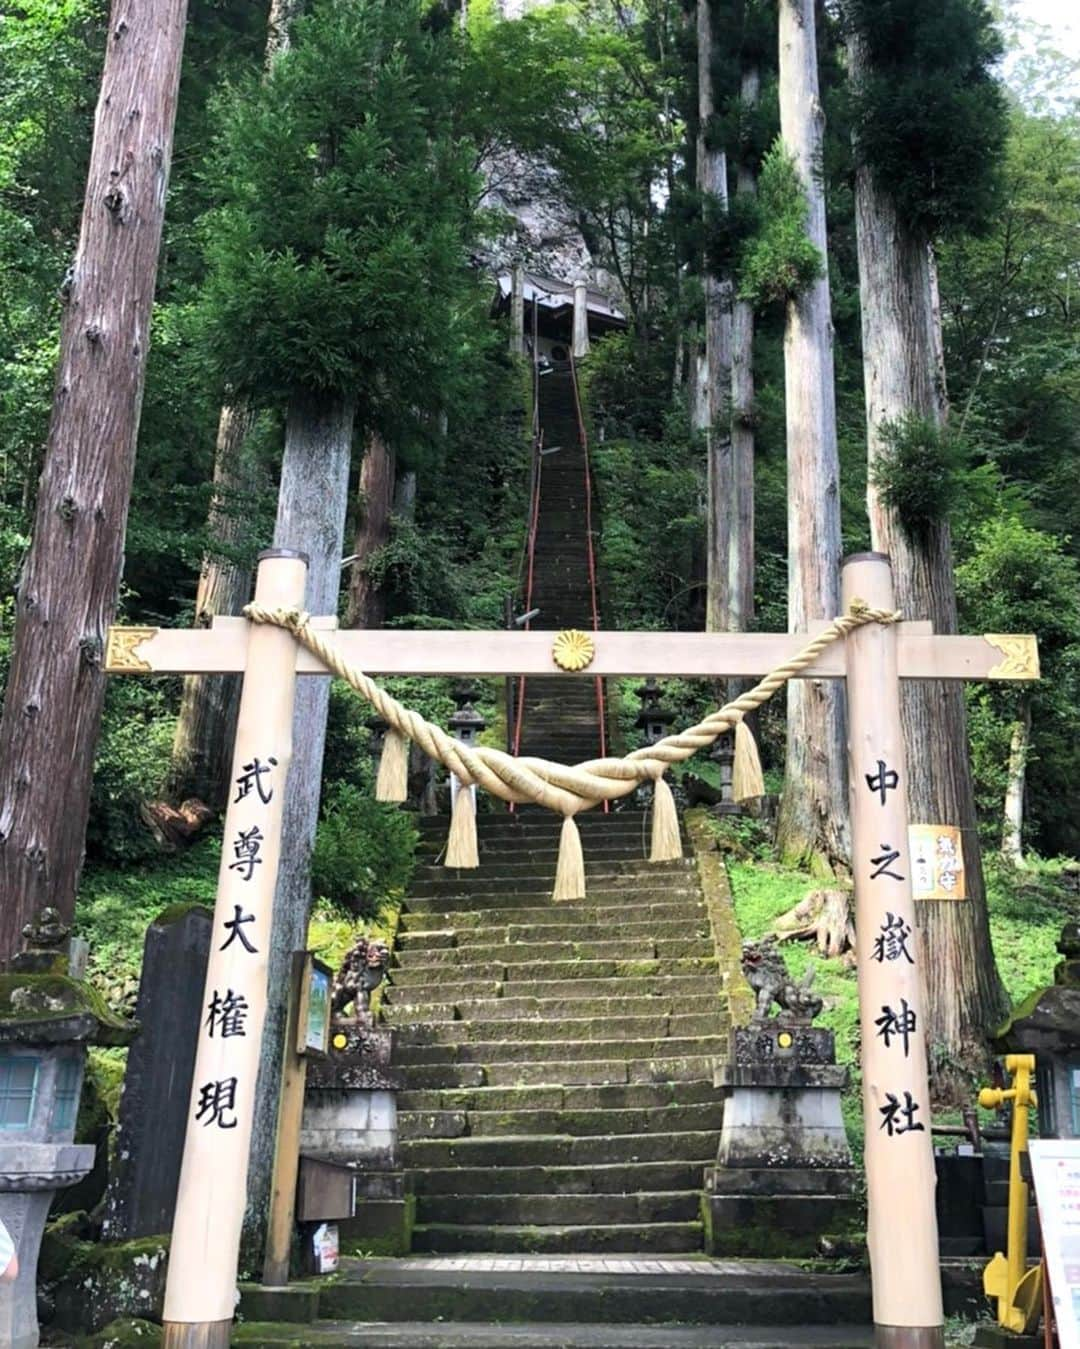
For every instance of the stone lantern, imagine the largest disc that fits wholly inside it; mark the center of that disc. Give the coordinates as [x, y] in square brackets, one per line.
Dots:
[654, 719]
[465, 725]
[47, 1019]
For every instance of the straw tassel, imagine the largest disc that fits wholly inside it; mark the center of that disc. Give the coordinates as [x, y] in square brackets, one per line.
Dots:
[461, 849]
[570, 872]
[392, 784]
[666, 843]
[746, 779]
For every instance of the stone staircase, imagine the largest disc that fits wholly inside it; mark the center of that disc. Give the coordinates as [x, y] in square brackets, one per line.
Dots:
[561, 717]
[557, 1057]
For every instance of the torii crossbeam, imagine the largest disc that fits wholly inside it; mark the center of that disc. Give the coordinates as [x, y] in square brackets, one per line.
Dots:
[902, 1235]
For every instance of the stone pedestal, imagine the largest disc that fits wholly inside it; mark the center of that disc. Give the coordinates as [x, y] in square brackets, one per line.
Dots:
[783, 1176]
[350, 1117]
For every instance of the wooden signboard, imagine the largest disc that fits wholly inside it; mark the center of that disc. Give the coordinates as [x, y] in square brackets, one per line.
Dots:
[1055, 1166]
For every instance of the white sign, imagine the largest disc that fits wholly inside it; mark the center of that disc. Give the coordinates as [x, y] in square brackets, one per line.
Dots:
[1055, 1165]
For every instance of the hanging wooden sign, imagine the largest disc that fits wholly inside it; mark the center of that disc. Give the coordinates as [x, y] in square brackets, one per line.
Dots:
[937, 862]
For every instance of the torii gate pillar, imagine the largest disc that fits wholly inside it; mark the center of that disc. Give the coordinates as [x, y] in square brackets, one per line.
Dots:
[900, 1178]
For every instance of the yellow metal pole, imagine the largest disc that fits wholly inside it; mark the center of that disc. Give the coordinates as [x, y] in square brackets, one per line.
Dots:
[1004, 1275]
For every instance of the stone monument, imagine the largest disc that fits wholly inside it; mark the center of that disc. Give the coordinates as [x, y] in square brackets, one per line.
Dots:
[157, 1082]
[783, 1176]
[47, 1019]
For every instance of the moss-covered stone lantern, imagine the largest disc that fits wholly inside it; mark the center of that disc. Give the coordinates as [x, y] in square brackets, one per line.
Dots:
[47, 1019]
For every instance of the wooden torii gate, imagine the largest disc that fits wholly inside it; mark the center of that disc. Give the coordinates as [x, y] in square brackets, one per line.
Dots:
[902, 1233]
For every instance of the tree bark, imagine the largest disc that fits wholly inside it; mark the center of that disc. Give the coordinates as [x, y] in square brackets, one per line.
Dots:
[312, 504]
[68, 589]
[742, 408]
[714, 378]
[812, 827]
[1012, 833]
[206, 726]
[366, 605]
[283, 14]
[964, 993]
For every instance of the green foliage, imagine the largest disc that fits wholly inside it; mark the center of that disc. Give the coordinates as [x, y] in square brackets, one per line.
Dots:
[363, 851]
[131, 764]
[336, 256]
[1020, 579]
[778, 262]
[930, 118]
[116, 905]
[919, 474]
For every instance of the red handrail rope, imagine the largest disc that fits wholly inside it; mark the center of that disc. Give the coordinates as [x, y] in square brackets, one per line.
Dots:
[530, 545]
[583, 436]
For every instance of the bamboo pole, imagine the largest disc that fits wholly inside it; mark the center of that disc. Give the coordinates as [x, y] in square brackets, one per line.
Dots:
[900, 1179]
[201, 1288]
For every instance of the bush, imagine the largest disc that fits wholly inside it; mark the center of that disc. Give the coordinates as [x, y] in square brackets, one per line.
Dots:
[921, 473]
[364, 850]
[778, 262]
[131, 766]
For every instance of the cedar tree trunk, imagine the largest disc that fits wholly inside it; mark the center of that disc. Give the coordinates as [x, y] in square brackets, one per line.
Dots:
[312, 503]
[714, 374]
[812, 826]
[366, 603]
[964, 993]
[206, 726]
[742, 408]
[1012, 833]
[68, 588]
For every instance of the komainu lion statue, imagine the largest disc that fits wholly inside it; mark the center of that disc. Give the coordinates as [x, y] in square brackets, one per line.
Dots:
[767, 975]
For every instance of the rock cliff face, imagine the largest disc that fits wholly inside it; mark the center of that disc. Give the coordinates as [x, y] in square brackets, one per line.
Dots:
[544, 235]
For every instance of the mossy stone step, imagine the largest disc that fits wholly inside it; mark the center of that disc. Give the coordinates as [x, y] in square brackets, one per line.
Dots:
[692, 922]
[544, 1335]
[629, 948]
[507, 1009]
[560, 1210]
[579, 1123]
[744, 1294]
[554, 916]
[499, 1052]
[559, 1097]
[560, 1150]
[511, 896]
[594, 982]
[568, 1072]
[512, 869]
[655, 1238]
[532, 1030]
[614, 1178]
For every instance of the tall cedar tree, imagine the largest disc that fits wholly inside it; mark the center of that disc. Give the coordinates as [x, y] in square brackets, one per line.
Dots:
[336, 277]
[68, 587]
[929, 131]
[206, 724]
[812, 824]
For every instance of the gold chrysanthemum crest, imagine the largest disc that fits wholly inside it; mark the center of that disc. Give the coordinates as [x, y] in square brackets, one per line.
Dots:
[573, 650]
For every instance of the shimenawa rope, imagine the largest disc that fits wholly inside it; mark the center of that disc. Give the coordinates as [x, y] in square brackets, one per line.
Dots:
[566, 790]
